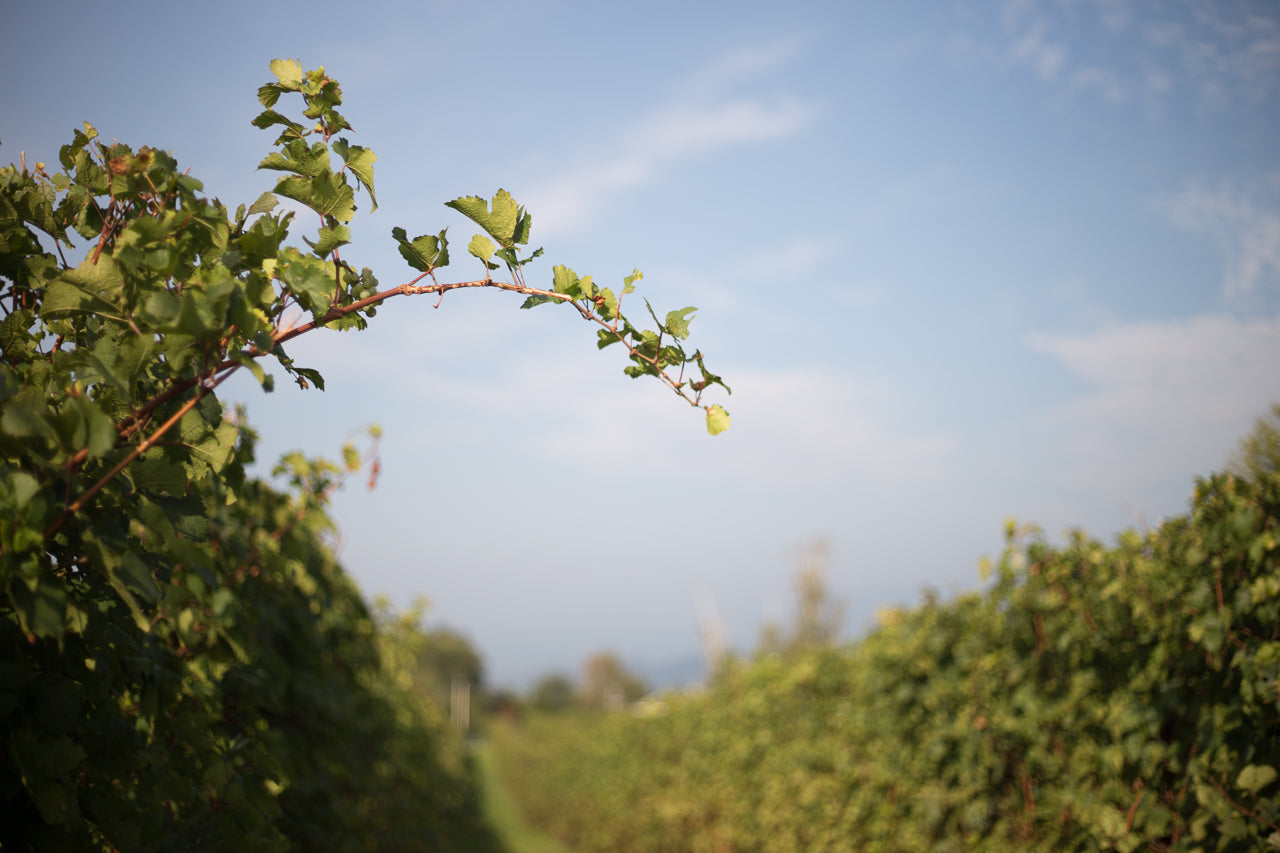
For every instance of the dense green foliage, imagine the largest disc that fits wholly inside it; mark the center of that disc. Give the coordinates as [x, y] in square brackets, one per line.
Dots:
[247, 701]
[183, 663]
[429, 661]
[1092, 698]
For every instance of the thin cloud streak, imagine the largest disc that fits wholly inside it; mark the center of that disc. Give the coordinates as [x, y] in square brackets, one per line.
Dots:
[793, 427]
[706, 118]
[1221, 55]
[1244, 223]
[1168, 396]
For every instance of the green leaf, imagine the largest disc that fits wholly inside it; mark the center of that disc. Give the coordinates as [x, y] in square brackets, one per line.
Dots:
[1255, 777]
[424, 253]
[628, 283]
[268, 118]
[87, 289]
[537, 299]
[330, 239]
[15, 334]
[265, 204]
[197, 315]
[255, 367]
[209, 440]
[263, 238]
[506, 222]
[360, 161]
[326, 194]
[717, 420]
[17, 488]
[288, 72]
[483, 248]
[566, 281]
[137, 576]
[42, 610]
[156, 473]
[161, 308]
[308, 279]
[299, 158]
[84, 426]
[306, 376]
[28, 416]
[677, 322]
[708, 378]
[609, 309]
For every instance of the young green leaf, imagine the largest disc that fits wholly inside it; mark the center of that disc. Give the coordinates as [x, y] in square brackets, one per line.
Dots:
[1255, 777]
[504, 223]
[308, 279]
[360, 161]
[265, 204]
[330, 239]
[677, 322]
[566, 281]
[424, 253]
[326, 194]
[628, 283]
[717, 420]
[288, 72]
[483, 248]
[87, 289]
[268, 118]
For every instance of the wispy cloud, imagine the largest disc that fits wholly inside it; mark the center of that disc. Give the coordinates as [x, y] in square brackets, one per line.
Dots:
[708, 115]
[1032, 45]
[791, 427]
[1216, 54]
[1244, 222]
[1166, 397]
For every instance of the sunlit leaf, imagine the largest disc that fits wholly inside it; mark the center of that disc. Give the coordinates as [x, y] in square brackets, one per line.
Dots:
[423, 253]
[500, 222]
[717, 420]
[360, 161]
[288, 72]
[482, 248]
[677, 322]
[1255, 777]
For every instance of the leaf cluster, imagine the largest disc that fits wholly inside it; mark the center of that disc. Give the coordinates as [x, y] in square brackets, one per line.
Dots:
[652, 352]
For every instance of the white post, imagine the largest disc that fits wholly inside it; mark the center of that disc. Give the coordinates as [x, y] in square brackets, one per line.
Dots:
[460, 704]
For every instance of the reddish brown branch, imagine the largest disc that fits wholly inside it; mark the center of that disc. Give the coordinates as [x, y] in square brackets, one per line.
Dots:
[1133, 809]
[141, 448]
[207, 382]
[1265, 817]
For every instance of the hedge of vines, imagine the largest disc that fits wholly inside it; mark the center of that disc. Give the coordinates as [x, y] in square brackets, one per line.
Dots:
[184, 664]
[1091, 698]
[247, 709]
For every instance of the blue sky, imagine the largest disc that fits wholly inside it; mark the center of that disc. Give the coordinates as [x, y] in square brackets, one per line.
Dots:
[959, 261]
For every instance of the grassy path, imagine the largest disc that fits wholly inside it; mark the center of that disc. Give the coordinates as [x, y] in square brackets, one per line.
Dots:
[504, 814]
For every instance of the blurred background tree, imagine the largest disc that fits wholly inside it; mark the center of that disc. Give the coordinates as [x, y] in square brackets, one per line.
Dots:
[552, 693]
[428, 661]
[818, 615]
[609, 685]
[1259, 451]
